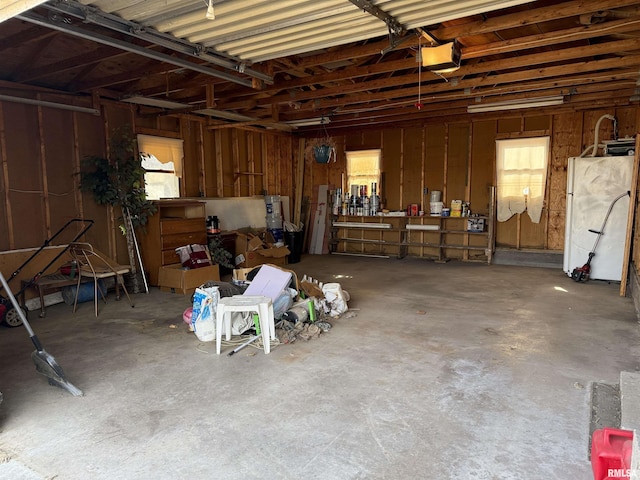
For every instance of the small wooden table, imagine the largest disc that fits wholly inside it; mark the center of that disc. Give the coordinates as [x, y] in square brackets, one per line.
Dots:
[48, 283]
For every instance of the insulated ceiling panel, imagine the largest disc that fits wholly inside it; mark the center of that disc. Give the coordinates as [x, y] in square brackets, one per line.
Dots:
[264, 64]
[258, 30]
[11, 8]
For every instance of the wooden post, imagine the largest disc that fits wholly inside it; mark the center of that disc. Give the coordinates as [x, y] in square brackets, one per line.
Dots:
[43, 173]
[401, 193]
[235, 148]
[111, 217]
[219, 165]
[491, 232]
[5, 177]
[297, 208]
[250, 163]
[467, 191]
[630, 221]
[76, 166]
[203, 166]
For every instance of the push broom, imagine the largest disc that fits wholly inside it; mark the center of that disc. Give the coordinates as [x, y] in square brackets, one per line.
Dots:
[45, 363]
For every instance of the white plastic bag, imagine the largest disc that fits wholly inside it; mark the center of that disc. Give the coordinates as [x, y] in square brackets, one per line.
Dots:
[203, 317]
[336, 298]
[283, 302]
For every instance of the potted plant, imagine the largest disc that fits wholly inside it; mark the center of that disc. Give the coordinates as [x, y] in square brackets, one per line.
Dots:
[322, 150]
[118, 180]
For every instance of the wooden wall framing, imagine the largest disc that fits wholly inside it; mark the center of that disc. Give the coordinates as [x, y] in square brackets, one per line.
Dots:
[459, 160]
[41, 150]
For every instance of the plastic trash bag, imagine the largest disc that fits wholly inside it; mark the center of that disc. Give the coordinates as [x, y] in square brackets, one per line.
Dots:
[203, 314]
[283, 302]
[336, 298]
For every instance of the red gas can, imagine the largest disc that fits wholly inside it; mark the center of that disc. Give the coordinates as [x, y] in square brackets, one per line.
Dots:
[611, 454]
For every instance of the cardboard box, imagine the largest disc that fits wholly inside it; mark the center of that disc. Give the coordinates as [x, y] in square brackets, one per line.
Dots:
[240, 274]
[252, 250]
[172, 278]
[274, 256]
[248, 242]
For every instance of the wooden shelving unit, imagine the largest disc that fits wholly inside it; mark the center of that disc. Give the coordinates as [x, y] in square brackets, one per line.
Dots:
[451, 234]
[424, 237]
[175, 224]
[369, 236]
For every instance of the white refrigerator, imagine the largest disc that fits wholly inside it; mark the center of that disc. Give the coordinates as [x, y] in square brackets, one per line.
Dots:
[593, 183]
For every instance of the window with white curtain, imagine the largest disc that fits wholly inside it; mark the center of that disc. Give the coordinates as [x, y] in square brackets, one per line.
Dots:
[521, 168]
[162, 160]
[363, 168]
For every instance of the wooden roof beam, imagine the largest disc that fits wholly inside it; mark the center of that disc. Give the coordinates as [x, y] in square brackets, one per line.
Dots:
[528, 17]
[480, 67]
[452, 99]
[549, 73]
[585, 32]
[495, 48]
[519, 19]
[99, 55]
[29, 35]
[454, 109]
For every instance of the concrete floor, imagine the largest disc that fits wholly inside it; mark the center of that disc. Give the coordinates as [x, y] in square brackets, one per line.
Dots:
[448, 371]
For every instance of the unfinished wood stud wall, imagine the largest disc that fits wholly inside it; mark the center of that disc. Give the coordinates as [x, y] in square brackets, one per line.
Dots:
[37, 144]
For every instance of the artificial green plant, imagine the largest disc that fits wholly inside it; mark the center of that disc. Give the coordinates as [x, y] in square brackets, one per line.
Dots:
[117, 180]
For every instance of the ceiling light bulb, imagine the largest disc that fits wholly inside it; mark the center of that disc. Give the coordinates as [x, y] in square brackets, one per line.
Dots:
[210, 13]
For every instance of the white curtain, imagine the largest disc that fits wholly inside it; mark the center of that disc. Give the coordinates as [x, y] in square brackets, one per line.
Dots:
[521, 167]
[165, 150]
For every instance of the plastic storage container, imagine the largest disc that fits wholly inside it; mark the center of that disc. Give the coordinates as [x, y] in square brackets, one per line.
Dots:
[435, 208]
[85, 294]
[294, 242]
[273, 222]
[273, 205]
[213, 224]
[456, 208]
[611, 453]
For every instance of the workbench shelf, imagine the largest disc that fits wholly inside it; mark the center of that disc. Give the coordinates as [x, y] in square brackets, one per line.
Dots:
[374, 236]
[425, 237]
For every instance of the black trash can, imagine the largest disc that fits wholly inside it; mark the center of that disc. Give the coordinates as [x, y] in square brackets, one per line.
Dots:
[294, 242]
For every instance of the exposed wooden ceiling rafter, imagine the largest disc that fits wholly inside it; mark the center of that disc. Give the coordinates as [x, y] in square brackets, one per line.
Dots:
[582, 49]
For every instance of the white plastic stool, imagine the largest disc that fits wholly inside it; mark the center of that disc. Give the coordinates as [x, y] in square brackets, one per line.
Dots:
[263, 306]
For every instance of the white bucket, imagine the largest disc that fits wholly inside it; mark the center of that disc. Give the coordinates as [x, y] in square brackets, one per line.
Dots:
[436, 196]
[436, 208]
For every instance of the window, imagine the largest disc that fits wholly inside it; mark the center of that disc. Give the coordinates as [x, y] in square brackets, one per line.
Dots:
[521, 168]
[162, 159]
[363, 168]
